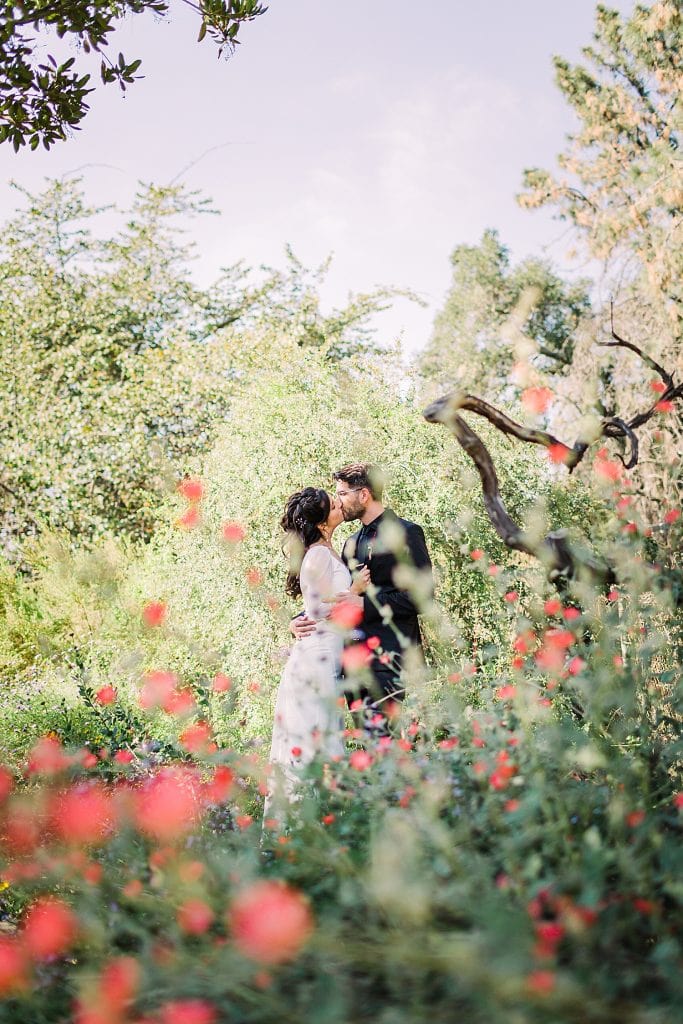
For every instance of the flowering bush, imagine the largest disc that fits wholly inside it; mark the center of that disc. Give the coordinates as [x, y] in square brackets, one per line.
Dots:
[514, 850]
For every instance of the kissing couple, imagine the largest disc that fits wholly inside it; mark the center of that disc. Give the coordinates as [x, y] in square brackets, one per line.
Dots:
[372, 584]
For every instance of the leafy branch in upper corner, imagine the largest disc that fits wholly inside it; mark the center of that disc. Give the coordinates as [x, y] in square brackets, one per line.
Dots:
[41, 101]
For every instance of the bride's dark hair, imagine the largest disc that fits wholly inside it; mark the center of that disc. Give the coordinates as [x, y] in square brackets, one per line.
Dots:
[305, 512]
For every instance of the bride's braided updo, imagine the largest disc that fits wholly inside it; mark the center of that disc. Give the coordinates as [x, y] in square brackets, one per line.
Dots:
[305, 512]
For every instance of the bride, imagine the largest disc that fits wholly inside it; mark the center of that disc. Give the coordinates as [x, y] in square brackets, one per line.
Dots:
[308, 719]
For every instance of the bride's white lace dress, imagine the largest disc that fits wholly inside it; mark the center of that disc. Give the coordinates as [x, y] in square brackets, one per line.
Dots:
[308, 718]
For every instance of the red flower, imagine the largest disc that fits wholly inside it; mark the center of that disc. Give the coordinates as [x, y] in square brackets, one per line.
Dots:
[540, 983]
[192, 489]
[511, 596]
[328, 819]
[83, 815]
[188, 1011]
[346, 614]
[221, 683]
[512, 805]
[12, 966]
[576, 665]
[607, 468]
[233, 533]
[506, 692]
[218, 790]
[644, 906]
[296, 751]
[154, 613]
[558, 453]
[47, 757]
[119, 983]
[360, 760]
[658, 386]
[270, 922]
[476, 554]
[613, 595]
[50, 928]
[190, 519]
[254, 577]
[106, 695]
[157, 689]
[244, 821]
[537, 400]
[123, 757]
[356, 657]
[560, 638]
[635, 818]
[672, 515]
[196, 738]
[678, 801]
[167, 806]
[549, 935]
[552, 607]
[180, 703]
[195, 917]
[500, 778]
[6, 783]
[664, 405]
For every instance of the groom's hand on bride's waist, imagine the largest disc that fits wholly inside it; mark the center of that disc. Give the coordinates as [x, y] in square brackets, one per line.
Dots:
[301, 626]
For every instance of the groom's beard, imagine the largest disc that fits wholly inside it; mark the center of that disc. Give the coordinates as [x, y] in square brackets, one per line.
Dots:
[352, 513]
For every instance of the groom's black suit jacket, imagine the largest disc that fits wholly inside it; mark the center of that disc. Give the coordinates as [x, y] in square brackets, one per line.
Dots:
[390, 613]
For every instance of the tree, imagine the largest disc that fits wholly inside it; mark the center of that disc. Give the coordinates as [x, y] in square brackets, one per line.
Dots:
[466, 348]
[43, 101]
[116, 369]
[621, 184]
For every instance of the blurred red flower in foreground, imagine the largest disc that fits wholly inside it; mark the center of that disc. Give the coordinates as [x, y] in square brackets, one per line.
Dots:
[233, 532]
[47, 757]
[356, 657]
[6, 783]
[195, 917]
[106, 695]
[154, 613]
[346, 615]
[50, 928]
[558, 453]
[167, 806]
[188, 1011]
[219, 788]
[12, 966]
[190, 519]
[540, 982]
[157, 690]
[221, 683]
[192, 489]
[270, 922]
[360, 760]
[118, 984]
[537, 400]
[83, 814]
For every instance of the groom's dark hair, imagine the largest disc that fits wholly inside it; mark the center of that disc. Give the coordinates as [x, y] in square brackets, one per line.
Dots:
[362, 474]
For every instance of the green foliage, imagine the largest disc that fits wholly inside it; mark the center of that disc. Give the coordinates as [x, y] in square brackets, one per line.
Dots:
[43, 102]
[519, 859]
[117, 369]
[290, 428]
[468, 349]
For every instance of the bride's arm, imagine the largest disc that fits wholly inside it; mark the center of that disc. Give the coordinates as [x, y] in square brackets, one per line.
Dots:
[317, 582]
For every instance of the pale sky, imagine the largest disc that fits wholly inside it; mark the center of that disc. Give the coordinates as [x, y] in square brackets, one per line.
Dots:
[385, 133]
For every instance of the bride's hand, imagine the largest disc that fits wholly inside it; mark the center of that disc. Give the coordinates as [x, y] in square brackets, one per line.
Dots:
[361, 580]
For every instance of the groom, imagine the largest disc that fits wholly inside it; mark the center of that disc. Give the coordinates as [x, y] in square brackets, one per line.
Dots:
[395, 552]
